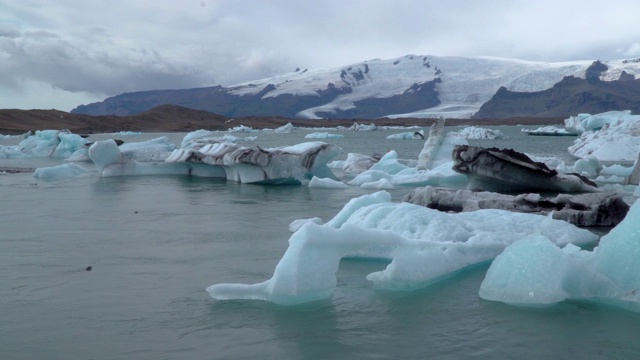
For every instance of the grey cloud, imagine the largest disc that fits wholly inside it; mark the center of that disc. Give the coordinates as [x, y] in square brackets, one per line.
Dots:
[110, 47]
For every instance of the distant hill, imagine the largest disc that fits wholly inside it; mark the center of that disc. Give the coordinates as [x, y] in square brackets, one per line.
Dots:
[572, 96]
[172, 118]
[410, 86]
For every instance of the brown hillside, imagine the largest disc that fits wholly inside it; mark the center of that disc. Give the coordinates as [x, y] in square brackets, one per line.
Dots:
[172, 118]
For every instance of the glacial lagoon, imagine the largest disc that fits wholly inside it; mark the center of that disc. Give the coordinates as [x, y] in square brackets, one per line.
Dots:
[155, 243]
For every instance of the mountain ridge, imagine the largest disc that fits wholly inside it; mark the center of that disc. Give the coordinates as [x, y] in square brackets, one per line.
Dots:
[409, 86]
[173, 118]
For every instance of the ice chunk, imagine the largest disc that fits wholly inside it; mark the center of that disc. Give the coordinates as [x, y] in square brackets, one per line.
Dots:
[323, 135]
[475, 132]
[424, 246]
[317, 182]
[357, 163]
[610, 273]
[288, 128]
[617, 140]
[157, 149]
[438, 147]
[283, 165]
[534, 271]
[53, 143]
[410, 135]
[549, 131]
[110, 161]
[60, 172]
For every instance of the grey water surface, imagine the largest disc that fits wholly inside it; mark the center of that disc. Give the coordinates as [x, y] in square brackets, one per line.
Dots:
[154, 243]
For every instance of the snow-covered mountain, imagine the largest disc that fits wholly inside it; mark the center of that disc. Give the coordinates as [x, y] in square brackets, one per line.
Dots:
[409, 86]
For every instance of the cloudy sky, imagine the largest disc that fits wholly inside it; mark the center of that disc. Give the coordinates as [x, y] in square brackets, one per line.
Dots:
[63, 53]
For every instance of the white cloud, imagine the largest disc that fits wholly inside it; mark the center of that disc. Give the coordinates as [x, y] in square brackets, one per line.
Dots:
[109, 47]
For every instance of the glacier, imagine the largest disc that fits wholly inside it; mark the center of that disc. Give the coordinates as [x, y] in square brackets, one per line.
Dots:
[535, 271]
[422, 245]
[460, 94]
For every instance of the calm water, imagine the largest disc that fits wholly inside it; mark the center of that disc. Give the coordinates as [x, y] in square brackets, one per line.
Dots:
[155, 244]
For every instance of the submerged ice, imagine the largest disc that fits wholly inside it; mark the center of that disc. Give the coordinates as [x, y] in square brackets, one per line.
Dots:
[422, 245]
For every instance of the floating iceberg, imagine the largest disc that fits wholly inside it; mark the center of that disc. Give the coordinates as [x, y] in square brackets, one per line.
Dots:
[410, 135]
[59, 144]
[549, 131]
[424, 246]
[534, 271]
[288, 128]
[282, 165]
[506, 170]
[474, 132]
[358, 127]
[60, 172]
[591, 209]
[357, 164]
[438, 147]
[389, 172]
[110, 161]
[587, 122]
[323, 135]
[613, 136]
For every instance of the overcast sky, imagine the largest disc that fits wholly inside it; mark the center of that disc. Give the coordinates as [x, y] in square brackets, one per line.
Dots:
[63, 53]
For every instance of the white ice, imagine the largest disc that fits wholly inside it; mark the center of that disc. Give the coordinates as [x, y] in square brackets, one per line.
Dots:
[358, 127]
[549, 131]
[110, 161]
[438, 147]
[475, 132]
[282, 165]
[323, 135]
[610, 136]
[60, 172]
[288, 128]
[409, 135]
[423, 245]
[327, 183]
[48, 143]
[535, 271]
[389, 172]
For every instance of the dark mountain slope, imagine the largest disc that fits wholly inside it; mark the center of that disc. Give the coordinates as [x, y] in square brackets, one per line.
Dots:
[568, 97]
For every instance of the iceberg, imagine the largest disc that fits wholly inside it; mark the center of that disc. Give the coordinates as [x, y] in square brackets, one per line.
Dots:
[634, 177]
[60, 144]
[60, 172]
[356, 164]
[549, 131]
[316, 182]
[506, 170]
[534, 271]
[389, 172]
[358, 127]
[110, 161]
[613, 136]
[203, 155]
[323, 135]
[282, 165]
[422, 245]
[410, 135]
[587, 210]
[288, 128]
[475, 132]
[438, 147]
[587, 122]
